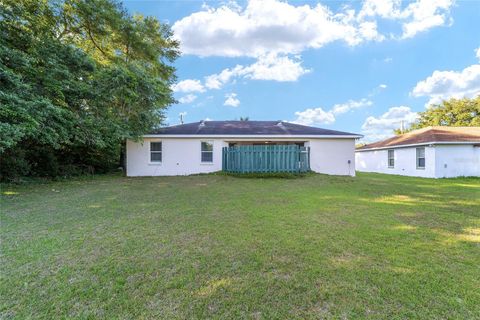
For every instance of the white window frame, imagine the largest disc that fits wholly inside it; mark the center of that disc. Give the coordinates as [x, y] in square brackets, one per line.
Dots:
[418, 158]
[150, 152]
[201, 151]
[391, 158]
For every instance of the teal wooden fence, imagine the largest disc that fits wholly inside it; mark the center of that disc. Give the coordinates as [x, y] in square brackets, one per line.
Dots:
[273, 158]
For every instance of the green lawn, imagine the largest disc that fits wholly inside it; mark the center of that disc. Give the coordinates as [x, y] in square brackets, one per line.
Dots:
[374, 246]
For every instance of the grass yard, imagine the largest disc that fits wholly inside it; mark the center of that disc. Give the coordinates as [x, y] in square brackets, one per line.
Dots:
[374, 246]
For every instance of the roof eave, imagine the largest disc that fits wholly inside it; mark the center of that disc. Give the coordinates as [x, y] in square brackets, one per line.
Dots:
[252, 136]
[417, 144]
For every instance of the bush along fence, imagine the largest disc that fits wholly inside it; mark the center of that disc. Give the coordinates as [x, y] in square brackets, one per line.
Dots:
[273, 158]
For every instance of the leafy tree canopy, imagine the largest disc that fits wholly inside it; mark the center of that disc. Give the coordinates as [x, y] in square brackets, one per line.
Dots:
[454, 112]
[76, 79]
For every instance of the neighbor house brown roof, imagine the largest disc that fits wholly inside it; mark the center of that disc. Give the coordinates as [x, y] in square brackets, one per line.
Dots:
[429, 135]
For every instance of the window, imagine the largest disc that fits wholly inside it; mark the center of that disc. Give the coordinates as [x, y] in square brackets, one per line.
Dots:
[155, 152]
[391, 158]
[420, 158]
[207, 151]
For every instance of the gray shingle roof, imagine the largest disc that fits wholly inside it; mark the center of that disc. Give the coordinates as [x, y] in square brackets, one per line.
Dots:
[274, 128]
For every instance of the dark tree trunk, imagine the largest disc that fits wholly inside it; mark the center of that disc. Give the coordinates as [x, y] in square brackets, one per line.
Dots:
[123, 156]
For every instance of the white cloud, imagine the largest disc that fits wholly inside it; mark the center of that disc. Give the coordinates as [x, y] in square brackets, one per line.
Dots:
[275, 32]
[189, 98]
[319, 116]
[267, 26]
[477, 53]
[276, 68]
[218, 80]
[350, 105]
[382, 127]
[189, 85]
[272, 26]
[387, 9]
[382, 86]
[314, 116]
[231, 100]
[368, 31]
[416, 17]
[271, 67]
[442, 85]
[424, 15]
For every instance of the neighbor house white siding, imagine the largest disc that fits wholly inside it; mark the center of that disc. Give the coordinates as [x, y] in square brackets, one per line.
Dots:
[441, 161]
[405, 162]
[182, 156]
[457, 161]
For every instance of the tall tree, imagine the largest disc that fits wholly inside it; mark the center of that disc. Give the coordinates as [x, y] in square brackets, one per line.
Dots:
[453, 112]
[76, 79]
[136, 52]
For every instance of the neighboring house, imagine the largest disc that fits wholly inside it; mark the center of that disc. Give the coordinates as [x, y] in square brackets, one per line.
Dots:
[432, 152]
[198, 147]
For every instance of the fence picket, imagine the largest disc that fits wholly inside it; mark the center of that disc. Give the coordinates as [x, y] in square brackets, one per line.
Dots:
[274, 158]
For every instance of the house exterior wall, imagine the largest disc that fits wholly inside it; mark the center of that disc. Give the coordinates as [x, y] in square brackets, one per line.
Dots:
[182, 156]
[405, 162]
[179, 157]
[457, 161]
[331, 156]
[441, 161]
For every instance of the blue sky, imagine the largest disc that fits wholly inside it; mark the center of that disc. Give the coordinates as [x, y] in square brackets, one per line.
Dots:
[362, 67]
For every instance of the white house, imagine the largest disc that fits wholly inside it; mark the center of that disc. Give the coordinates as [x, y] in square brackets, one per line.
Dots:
[197, 147]
[432, 152]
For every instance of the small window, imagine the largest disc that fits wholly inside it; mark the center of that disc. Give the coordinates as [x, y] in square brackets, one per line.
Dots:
[420, 158]
[207, 151]
[155, 152]
[391, 158]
